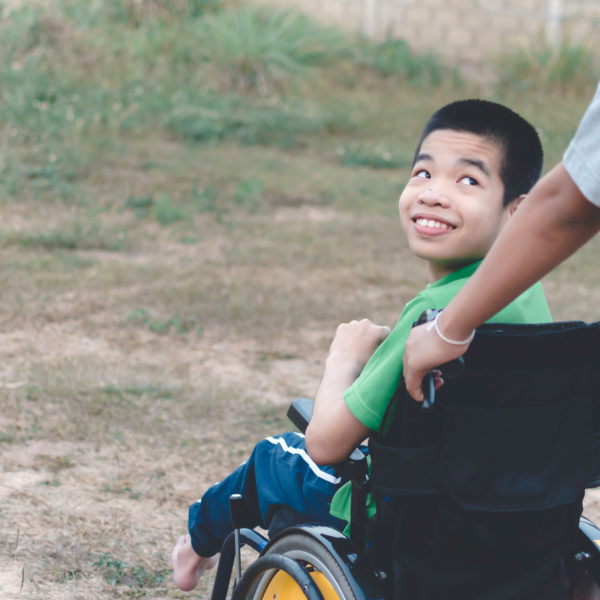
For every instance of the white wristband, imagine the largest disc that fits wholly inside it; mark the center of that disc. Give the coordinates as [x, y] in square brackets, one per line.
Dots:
[434, 325]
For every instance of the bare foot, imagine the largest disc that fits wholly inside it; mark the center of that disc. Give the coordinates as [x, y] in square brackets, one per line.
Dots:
[188, 566]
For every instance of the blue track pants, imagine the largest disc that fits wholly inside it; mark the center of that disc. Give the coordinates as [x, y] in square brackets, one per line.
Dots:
[278, 474]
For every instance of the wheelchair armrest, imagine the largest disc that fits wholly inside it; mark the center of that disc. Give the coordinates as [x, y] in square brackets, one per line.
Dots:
[300, 413]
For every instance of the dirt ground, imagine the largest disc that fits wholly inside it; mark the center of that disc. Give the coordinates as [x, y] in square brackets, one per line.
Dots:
[110, 426]
[132, 379]
[177, 247]
[68, 500]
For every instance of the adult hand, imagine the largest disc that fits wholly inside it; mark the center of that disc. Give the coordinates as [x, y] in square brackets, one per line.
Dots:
[356, 341]
[423, 351]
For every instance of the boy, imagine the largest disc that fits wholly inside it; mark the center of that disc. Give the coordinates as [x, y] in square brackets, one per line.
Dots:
[475, 162]
[561, 214]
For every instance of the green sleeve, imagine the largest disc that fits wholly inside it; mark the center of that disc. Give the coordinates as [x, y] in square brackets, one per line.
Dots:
[370, 394]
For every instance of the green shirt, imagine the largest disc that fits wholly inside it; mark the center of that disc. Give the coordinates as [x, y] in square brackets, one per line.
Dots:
[368, 397]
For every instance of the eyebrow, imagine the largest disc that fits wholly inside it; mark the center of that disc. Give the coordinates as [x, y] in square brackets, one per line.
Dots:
[422, 156]
[473, 162]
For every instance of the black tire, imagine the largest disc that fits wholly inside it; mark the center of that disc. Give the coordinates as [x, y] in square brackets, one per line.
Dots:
[311, 554]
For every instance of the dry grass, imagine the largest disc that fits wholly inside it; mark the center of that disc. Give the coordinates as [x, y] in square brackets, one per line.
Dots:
[124, 370]
[125, 367]
[162, 301]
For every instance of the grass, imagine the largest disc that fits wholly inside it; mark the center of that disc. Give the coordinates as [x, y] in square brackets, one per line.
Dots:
[538, 68]
[73, 236]
[177, 249]
[264, 50]
[117, 572]
[393, 58]
[375, 158]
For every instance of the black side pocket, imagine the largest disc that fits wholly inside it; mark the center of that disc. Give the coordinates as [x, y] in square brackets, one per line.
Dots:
[516, 459]
[405, 471]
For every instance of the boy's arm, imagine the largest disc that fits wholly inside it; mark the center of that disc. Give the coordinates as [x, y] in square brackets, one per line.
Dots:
[334, 431]
[552, 223]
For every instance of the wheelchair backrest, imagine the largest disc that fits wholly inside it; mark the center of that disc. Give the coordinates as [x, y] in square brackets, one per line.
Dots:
[547, 379]
[497, 467]
[522, 394]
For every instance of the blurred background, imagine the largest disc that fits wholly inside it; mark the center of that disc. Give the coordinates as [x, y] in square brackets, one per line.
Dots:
[193, 194]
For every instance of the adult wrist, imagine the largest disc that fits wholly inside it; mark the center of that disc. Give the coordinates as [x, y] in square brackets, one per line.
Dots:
[459, 340]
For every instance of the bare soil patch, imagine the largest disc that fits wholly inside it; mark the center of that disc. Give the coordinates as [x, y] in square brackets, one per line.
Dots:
[132, 378]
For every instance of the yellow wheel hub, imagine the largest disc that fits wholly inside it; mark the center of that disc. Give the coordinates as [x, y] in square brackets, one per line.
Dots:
[283, 587]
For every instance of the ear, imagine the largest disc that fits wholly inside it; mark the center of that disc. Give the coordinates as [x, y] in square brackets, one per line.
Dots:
[512, 207]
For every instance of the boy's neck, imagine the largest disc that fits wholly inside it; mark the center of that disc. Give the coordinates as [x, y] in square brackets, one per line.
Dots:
[435, 271]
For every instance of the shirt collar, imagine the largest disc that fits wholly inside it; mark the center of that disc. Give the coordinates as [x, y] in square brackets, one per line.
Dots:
[462, 273]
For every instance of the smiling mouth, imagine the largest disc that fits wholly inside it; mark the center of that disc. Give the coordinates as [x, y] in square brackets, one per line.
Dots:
[432, 224]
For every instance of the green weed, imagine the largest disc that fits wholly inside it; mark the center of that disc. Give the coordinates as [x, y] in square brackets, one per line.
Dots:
[176, 323]
[141, 205]
[205, 199]
[256, 48]
[138, 391]
[540, 68]
[119, 489]
[218, 118]
[134, 13]
[54, 464]
[248, 194]
[79, 235]
[8, 436]
[118, 572]
[166, 212]
[54, 482]
[394, 58]
[34, 393]
[358, 155]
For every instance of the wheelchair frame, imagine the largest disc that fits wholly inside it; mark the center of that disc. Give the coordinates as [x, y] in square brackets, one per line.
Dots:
[340, 556]
[328, 551]
[320, 563]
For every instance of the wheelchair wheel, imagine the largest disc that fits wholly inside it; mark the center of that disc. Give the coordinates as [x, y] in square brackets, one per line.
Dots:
[317, 560]
[583, 567]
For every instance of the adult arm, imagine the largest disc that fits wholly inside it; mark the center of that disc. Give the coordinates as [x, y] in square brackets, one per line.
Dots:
[334, 431]
[550, 225]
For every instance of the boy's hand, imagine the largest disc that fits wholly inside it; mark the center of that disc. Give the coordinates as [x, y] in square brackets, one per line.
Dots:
[356, 341]
[334, 431]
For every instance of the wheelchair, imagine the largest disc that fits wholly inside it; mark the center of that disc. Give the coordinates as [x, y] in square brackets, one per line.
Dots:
[514, 433]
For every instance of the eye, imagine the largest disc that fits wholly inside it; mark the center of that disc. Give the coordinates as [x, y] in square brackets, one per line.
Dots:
[424, 173]
[468, 180]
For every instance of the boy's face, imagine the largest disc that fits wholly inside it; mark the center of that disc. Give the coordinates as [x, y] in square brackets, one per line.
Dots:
[451, 208]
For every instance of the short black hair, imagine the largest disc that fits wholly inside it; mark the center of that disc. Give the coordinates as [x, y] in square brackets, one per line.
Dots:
[523, 156]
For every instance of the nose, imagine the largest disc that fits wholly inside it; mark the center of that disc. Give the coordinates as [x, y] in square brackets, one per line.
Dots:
[434, 196]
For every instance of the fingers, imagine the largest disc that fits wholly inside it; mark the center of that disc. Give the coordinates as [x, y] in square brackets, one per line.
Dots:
[412, 370]
[363, 328]
[438, 379]
[385, 331]
[358, 340]
[414, 385]
[364, 324]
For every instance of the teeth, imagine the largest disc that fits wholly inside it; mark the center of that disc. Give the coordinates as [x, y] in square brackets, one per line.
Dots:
[433, 224]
